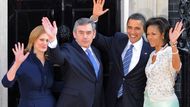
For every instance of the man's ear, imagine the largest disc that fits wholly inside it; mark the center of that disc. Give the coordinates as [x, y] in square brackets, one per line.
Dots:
[162, 35]
[74, 34]
[94, 34]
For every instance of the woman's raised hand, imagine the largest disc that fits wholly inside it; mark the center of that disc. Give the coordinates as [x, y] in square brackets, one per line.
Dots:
[176, 32]
[19, 53]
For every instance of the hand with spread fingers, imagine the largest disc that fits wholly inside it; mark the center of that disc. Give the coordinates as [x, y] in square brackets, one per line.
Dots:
[51, 29]
[98, 8]
[19, 53]
[176, 32]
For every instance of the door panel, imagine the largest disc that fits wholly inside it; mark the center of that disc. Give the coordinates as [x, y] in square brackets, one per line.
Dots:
[24, 15]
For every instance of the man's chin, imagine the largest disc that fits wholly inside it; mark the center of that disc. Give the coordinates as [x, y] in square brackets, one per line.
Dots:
[133, 40]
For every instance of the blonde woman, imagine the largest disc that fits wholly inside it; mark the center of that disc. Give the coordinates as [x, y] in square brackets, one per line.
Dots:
[32, 71]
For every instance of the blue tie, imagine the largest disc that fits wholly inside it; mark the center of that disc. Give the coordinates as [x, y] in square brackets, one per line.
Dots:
[126, 63]
[127, 60]
[93, 61]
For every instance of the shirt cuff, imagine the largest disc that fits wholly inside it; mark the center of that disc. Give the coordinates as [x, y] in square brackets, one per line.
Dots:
[52, 44]
[94, 19]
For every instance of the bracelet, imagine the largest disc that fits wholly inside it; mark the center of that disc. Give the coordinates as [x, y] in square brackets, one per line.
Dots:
[173, 44]
[173, 53]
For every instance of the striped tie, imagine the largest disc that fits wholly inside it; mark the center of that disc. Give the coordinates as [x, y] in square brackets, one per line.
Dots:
[126, 63]
[127, 60]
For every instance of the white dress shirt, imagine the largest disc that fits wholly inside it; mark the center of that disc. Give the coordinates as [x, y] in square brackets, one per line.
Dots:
[136, 53]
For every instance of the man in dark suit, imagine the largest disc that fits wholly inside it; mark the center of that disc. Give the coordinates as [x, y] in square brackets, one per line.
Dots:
[81, 63]
[128, 54]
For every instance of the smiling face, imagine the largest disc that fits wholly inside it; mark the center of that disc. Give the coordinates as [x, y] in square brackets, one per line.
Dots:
[84, 35]
[154, 36]
[134, 30]
[41, 43]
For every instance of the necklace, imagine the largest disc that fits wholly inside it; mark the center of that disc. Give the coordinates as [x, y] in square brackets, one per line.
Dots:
[156, 53]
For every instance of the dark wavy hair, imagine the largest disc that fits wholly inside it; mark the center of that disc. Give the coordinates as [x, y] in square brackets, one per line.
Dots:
[162, 24]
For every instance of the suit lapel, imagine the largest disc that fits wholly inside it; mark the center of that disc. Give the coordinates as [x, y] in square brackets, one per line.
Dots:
[143, 57]
[89, 73]
[123, 42]
[144, 54]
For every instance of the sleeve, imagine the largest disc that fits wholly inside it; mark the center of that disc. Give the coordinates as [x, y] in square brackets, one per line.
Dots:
[53, 44]
[6, 82]
[102, 42]
[57, 55]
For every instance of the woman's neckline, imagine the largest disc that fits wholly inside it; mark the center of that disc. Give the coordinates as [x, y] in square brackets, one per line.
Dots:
[156, 53]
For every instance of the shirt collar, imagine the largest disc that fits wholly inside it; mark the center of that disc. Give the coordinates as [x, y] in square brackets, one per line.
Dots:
[84, 49]
[137, 45]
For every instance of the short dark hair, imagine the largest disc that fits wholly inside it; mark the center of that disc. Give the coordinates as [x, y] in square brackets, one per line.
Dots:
[137, 16]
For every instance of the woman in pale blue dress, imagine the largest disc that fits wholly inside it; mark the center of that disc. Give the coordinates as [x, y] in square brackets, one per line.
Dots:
[164, 63]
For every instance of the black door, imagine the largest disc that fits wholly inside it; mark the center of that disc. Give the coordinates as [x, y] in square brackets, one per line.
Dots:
[24, 15]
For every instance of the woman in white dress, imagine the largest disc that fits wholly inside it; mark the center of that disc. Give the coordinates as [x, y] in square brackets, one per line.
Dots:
[164, 63]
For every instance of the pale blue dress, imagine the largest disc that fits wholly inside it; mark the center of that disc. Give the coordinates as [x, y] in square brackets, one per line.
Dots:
[159, 90]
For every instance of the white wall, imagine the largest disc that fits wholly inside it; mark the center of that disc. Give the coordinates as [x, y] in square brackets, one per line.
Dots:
[3, 50]
[148, 8]
[124, 13]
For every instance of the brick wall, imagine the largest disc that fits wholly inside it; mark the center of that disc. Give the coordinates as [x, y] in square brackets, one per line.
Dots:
[173, 11]
[173, 18]
[182, 86]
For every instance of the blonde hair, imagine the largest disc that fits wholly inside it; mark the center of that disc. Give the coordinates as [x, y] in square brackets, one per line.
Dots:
[34, 34]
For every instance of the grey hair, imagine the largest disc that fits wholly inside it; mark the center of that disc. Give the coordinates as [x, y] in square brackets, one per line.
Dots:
[84, 21]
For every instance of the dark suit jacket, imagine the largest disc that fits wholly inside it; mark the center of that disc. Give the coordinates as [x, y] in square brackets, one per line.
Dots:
[134, 82]
[81, 87]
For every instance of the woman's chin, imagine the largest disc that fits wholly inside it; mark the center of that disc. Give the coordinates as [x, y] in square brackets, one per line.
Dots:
[152, 45]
